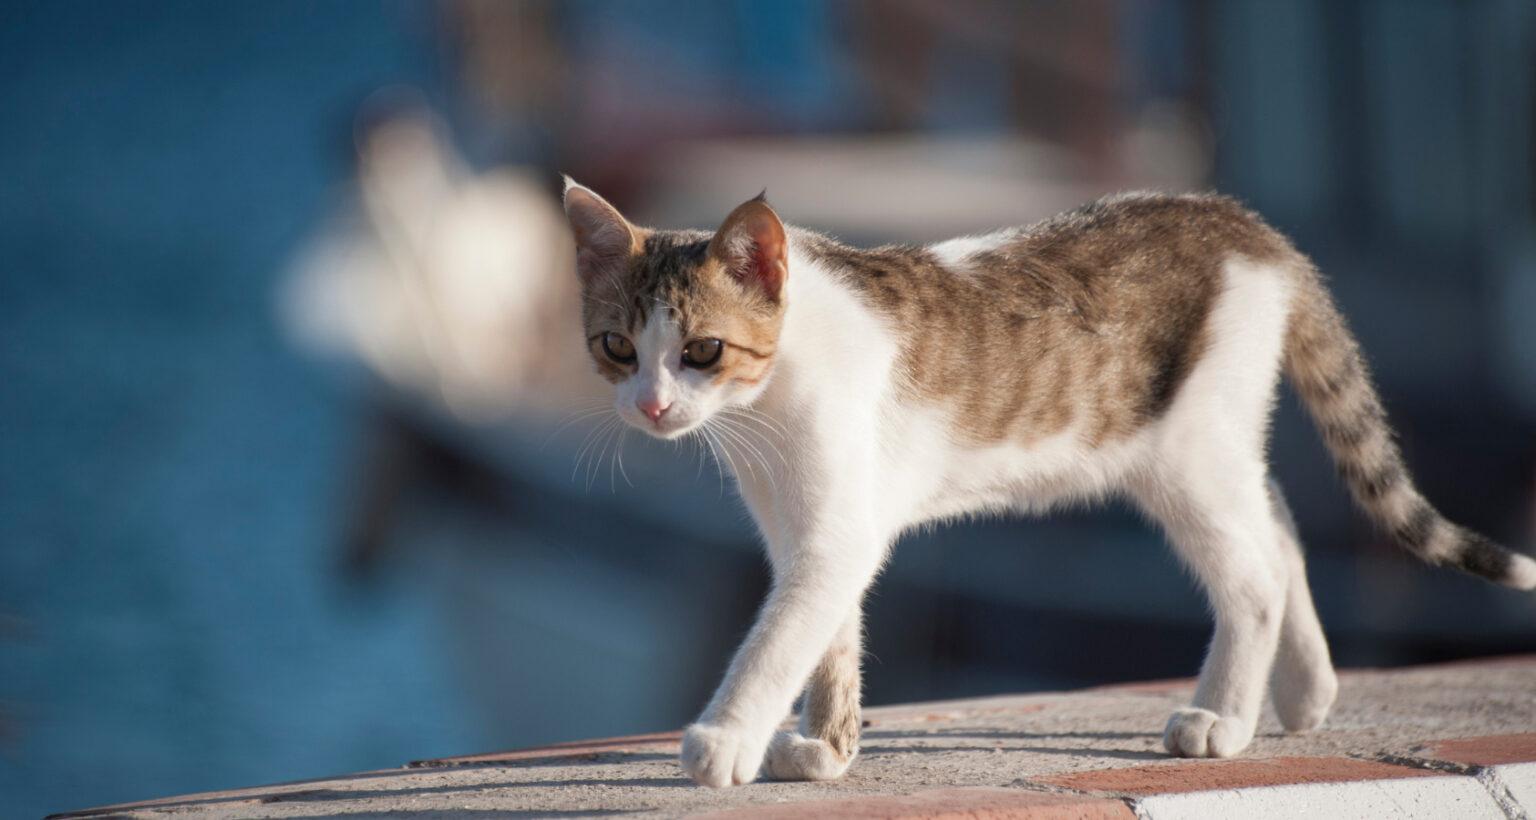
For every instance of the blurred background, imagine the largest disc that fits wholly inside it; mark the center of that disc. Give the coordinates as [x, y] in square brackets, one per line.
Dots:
[302, 467]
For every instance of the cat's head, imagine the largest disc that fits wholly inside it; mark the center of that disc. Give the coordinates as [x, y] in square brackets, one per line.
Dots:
[683, 323]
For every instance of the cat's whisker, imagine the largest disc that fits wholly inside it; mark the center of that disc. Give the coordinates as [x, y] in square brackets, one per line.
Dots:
[615, 459]
[620, 457]
[593, 436]
[586, 446]
[596, 456]
[581, 449]
[719, 465]
[596, 408]
[608, 440]
[704, 452]
[767, 422]
[704, 447]
[594, 463]
[728, 435]
[747, 436]
[693, 437]
[578, 416]
[764, 437]
[729, 429]
[725, 436]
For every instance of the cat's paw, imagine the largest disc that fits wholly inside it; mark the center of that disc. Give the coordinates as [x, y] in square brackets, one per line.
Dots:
[793, 756]
[716, 756]
[1195, 732]
[1303, 697]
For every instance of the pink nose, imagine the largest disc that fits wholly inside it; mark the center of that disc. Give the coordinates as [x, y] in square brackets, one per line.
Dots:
[653, 408]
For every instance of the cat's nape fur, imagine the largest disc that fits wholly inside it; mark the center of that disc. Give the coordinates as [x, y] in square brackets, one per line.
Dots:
[1130, 347]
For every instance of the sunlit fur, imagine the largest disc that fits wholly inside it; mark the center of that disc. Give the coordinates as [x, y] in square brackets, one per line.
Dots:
[1131, 347]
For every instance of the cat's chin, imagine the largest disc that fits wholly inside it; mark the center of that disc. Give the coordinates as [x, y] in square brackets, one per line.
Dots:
[665, 432]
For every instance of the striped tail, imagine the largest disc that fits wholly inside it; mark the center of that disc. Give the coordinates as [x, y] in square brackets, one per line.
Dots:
[1325, 366]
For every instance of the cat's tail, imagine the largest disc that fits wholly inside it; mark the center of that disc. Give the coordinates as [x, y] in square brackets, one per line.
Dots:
[1324, 364]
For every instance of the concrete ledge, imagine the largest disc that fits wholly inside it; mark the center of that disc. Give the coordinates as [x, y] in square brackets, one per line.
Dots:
[973, 804]
[1457, 740]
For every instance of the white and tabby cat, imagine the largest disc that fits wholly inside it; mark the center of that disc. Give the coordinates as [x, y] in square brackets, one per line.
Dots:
[1130, 347]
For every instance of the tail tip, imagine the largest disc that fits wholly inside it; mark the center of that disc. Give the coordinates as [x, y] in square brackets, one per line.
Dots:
[1521, 573]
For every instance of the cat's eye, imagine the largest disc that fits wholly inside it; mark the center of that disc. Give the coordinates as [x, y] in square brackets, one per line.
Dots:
[618, 348]
[702, 352]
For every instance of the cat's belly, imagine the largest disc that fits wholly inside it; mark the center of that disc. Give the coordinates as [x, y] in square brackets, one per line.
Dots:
[946, 481]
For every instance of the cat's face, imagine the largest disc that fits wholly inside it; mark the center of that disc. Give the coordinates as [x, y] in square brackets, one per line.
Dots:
[682, 323]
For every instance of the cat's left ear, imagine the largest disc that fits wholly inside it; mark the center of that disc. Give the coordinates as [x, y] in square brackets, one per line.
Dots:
[752, 248]
[604, 238]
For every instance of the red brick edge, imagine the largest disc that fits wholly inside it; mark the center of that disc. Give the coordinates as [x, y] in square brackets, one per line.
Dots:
[1230, 774]
[1492, 750]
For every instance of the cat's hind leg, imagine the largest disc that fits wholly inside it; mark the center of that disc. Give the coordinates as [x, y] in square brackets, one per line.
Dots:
[1304, 684]
[1220, 523]
[828, 736]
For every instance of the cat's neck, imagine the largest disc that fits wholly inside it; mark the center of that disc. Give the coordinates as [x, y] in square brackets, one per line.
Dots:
[831, 337]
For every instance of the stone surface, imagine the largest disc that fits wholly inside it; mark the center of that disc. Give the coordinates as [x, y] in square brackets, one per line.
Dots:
[1401, 741]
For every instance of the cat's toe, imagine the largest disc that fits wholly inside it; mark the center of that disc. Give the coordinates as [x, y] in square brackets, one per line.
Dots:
[1195, 732]
[793, 756]
[716, 756]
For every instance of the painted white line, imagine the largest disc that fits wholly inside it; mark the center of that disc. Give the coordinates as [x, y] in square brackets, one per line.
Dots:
[1432, 798]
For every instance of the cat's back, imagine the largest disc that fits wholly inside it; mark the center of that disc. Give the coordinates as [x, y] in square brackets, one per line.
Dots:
[1098, 311]
[1124, 231]
[1132, 241]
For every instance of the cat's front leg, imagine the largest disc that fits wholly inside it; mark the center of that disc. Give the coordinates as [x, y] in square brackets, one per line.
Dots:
[814, 595]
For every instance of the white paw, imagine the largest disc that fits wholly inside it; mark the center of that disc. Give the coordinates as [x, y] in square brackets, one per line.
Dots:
[716, 756]
[1303, 700]
[1195, 732]
[793, 756]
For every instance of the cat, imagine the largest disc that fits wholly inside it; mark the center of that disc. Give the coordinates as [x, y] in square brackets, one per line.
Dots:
[1131, 347]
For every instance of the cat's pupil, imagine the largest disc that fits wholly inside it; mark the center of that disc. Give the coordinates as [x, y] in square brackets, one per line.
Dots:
[702, 353]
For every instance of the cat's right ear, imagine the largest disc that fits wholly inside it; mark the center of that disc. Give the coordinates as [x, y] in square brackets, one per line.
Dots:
[604, 238]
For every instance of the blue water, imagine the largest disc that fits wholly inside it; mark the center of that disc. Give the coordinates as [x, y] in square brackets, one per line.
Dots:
[168, 467]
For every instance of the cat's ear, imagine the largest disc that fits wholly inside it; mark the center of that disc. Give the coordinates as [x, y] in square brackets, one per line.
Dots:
[604, 238]
[752, 248]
